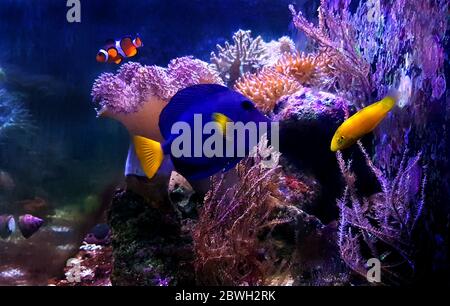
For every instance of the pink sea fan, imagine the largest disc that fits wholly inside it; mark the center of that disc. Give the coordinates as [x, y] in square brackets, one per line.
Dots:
[133, 84]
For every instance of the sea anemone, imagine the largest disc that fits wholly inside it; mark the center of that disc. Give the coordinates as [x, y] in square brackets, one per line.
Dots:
[266, 87]
[307, 69]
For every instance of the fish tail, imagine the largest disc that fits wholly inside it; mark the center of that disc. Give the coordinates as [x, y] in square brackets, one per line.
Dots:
[149, 153]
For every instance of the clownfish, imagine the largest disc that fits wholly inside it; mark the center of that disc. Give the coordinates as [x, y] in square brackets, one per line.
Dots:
[116, 50]
[362, 123]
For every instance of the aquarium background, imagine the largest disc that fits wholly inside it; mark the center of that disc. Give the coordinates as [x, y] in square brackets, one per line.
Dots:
[58, 161]
[63, 154]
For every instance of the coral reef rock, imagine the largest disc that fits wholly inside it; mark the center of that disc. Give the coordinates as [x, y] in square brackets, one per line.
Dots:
[150, 247]
[100, 234]
[90, 267]
[29, 224]
[308, 120]
[181, 194]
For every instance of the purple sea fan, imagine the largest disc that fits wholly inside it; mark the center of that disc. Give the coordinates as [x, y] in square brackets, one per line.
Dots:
[335, 37]
[381, 226]
[29, 224]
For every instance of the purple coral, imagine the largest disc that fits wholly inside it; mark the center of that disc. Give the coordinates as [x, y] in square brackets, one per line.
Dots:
[127, 90]
[381, 226]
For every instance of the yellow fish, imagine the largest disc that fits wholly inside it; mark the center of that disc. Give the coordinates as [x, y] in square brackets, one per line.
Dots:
[362, 123]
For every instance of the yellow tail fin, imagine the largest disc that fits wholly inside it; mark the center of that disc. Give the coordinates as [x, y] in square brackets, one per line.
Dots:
[150, 154]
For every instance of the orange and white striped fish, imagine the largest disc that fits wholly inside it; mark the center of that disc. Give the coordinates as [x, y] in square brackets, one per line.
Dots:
[116, 50]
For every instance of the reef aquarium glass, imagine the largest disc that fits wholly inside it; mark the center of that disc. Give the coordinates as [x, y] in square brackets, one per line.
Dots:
[228, 143]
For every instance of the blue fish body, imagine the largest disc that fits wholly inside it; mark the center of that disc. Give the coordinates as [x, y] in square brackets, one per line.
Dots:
[206, 100]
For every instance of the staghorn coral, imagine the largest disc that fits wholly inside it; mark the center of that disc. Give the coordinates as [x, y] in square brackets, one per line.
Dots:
[131, 87]
[382, 225]
[308, 69]
[247, 54]
[230, 238]
[266, 87]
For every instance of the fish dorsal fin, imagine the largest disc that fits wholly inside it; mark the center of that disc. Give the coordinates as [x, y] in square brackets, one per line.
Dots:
[182, 101]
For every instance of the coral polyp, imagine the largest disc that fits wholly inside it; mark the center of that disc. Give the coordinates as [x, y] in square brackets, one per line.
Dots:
[307, 69]
[266, 87]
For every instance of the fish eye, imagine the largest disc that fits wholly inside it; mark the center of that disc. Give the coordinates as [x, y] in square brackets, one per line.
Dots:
[247, 105]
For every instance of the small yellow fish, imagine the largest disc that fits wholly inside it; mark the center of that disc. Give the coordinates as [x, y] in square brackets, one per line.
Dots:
[362, 123]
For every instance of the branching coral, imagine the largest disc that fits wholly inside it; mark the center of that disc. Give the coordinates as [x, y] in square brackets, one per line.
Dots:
[336, 40]
[382, 225]
[266, 87]
[229, 236]
[127, 90]
[308, 69]
[247, 54]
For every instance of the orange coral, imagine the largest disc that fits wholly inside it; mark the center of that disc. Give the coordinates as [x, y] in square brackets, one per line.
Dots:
[266, 87]
[308, 69]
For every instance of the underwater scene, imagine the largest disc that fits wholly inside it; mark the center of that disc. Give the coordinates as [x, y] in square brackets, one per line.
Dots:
[224, 143]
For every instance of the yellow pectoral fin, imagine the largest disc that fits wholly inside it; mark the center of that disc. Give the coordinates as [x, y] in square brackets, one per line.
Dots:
[150, 154]
[222, 121]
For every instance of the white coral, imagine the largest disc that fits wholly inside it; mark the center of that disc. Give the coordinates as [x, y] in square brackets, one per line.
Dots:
[276, 48]
[247, 54]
